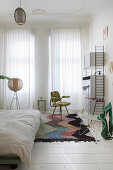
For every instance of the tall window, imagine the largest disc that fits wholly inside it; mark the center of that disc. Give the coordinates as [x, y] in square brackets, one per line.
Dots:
[65, 60]
[19, 62]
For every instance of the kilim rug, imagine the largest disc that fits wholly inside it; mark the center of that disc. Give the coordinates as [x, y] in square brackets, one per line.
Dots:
[71, 128]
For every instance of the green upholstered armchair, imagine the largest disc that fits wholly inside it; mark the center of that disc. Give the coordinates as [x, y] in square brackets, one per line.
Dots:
[56, 101]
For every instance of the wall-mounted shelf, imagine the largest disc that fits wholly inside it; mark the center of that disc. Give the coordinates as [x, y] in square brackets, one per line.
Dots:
[99, 80]
[93, 97]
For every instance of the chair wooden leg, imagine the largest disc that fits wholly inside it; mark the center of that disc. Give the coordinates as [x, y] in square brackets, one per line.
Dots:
[60, 109]
[67, 110]
[53, 111]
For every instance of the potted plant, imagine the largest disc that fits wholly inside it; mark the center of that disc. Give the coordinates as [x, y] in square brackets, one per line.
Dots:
[4, 77]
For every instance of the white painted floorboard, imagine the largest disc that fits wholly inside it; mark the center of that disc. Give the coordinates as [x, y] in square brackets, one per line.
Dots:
[70, 156]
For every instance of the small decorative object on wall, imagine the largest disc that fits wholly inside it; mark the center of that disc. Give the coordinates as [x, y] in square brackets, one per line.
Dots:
[111, 66]
[105, 32]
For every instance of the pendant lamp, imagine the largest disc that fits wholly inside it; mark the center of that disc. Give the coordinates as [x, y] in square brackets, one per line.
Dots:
[20, 15]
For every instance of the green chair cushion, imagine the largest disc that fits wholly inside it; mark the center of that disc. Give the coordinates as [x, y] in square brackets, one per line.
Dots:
[61, 104]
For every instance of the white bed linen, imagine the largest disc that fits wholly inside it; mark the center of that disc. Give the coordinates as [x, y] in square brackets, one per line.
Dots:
[17, 132]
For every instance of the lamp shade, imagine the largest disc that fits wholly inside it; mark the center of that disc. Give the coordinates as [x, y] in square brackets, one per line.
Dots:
[15, 84]
[20, 16]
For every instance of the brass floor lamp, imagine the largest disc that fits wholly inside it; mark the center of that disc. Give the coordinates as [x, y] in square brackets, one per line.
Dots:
[15, 84]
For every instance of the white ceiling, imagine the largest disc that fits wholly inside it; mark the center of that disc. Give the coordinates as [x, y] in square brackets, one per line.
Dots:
[54, 8]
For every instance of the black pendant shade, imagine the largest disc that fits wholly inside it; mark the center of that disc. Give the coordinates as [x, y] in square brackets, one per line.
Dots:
[20, 16]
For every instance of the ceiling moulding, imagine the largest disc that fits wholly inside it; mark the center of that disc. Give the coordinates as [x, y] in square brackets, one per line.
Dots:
[39, 12]
[59, 14]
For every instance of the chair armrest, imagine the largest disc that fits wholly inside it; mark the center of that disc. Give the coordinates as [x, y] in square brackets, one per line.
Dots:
[65, 96]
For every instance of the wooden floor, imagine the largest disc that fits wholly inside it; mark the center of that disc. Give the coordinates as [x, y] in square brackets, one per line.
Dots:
[71, 156]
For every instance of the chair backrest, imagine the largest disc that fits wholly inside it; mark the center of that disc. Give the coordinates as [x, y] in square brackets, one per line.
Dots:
[55, 96]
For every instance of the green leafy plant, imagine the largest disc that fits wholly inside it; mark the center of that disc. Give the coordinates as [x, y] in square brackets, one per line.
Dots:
[4, 77]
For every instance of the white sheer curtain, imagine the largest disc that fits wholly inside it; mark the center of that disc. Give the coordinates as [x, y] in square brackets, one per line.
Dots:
[19, 62]
[65, 61]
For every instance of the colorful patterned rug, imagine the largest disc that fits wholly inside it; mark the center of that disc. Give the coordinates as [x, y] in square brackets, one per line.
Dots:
[71, 128]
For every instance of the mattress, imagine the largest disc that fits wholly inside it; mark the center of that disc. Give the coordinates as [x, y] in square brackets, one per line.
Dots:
[17, 132]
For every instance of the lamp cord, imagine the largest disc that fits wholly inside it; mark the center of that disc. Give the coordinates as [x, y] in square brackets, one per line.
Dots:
[20, 3]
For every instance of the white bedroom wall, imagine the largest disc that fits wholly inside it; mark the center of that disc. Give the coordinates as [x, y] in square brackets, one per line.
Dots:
[42, 31]
[102, 19]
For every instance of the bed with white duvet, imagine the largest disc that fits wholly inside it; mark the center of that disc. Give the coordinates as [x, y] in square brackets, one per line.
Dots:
[17, 132]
